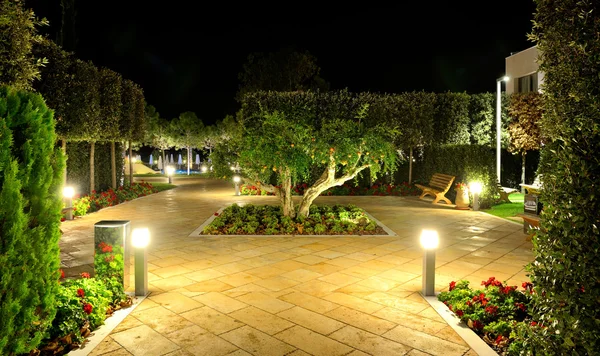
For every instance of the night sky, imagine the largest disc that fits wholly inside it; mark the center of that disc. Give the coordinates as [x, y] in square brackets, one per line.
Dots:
[187, 55]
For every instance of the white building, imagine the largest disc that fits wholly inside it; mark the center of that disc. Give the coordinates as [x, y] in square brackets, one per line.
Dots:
[523, 70]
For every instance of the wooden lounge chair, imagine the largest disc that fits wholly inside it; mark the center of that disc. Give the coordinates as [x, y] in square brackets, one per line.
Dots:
[534, 188]
[438, 186]
[505, 192]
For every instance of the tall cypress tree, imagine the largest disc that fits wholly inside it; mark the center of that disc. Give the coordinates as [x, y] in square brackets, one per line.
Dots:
[30, 204]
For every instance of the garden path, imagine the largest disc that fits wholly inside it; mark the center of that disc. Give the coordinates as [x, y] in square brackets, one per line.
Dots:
[296, 296]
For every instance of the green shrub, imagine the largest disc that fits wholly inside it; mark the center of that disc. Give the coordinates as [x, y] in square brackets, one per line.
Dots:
[30, 205]
[467, 163]
[78, 166]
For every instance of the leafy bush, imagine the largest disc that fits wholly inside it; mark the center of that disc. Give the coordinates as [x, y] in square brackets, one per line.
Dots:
[496, 313]
[30, 204]
[382, 189]
[269, 220]
[108, 264]
[467, 163]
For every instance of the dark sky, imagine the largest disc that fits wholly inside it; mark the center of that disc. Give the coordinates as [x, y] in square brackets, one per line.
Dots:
[187, 54]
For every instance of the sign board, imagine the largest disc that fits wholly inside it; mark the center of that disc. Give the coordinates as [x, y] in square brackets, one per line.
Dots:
[532, 204]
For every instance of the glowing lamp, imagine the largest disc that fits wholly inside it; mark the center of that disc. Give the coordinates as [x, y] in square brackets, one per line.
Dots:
[475, 187]
[204, 169]
[236, 179]
[429, 239]
[140, 237]
[68, 192]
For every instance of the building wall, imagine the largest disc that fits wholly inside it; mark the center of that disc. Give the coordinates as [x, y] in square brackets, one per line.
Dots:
[521, 65]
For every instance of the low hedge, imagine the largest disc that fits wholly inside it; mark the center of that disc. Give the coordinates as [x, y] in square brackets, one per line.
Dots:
[381, 189]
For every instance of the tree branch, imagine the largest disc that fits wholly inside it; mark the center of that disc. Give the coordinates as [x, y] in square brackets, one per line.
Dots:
[348, 176]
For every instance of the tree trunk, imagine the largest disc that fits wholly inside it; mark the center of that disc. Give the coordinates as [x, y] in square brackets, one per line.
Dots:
[523, 155]
[130, 164]
[410, 162]
[164, 167]
[92, 173]
[113, 164]
[64, 149]
[285, 194]
[188, 160]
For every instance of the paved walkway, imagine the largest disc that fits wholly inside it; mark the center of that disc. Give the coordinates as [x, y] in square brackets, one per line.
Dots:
[296, 296]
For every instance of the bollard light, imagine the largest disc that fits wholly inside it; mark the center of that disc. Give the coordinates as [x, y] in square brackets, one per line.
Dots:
[429, 241]
[475, 188]
[140, 238]
[236, 180]
[204, 169]
[170, 171]
[68, 193]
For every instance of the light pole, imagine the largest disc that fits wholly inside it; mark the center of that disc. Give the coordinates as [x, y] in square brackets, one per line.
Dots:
[499, 122]
[140, 238]
[170, 171]
[236, 180]
[68, 193]
[429, 241]
[475, 188]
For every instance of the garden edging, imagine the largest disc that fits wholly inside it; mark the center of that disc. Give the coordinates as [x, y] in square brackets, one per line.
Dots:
[469, 336]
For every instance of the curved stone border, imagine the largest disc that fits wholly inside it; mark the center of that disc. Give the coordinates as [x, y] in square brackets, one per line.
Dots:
[199, 230]
[472, 339]
[103, 331]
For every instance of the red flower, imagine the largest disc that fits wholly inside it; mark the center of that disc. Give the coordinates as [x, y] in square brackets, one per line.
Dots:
[63, 219]
[452, 285]
[107, 248]
[582, 289]
[85, 275]
[521, 306]
[62, 274]
[459, 313]
[492, 309]
[491, 282]
[533, 323]
[109, 259]
[477, 324]
[527, 285]
[499, 339]
[216, 214]
[80, 293]
[87, 308]
[507, 290]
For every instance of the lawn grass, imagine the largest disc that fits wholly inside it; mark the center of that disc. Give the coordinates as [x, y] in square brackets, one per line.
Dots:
[163, 186]
[507, 210]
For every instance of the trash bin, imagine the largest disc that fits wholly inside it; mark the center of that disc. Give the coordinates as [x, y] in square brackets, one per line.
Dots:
[112, 250]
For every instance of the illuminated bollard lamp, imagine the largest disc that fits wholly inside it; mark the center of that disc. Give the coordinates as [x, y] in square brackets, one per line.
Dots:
[429, 241]
[140, 238]
[236, 180]
[170, 171]
[68, 193]
[475, 188]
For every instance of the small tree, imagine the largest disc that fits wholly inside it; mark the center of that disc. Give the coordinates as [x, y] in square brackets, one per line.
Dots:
[30, 204]
[187, 130]
[525, 111]
[159, 131]
[110, 113]
[287, 134]
[126, 123]
[18, 33]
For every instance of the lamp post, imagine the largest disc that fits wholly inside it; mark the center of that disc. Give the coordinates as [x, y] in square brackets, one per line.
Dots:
[170, 171]
[236, 180]
[499, 121]
[68, 193]
[429, 241]
[140, 238]
[475, 188]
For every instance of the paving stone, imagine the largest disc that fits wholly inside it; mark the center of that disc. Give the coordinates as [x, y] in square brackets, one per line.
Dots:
[261, 320]
[143, 341]
[369, 342]
[265, 302]
[175, 302]
[220, 302]
[257, 342]
[198, 341]
[312, 342]
[362, 320]
[311, 320]
[424, 342]
[212, 320]
[309, 302]
[161, 319]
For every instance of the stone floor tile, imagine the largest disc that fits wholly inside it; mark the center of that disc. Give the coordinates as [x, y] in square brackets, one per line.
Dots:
[323, 268]
[119, 352]
[171, 271]
[424, 342]
[161, 319]
[316, 288]
[329, 254]
[171, 283]
[378, 283]
[257, 342]
[168, 262]
[339, 279]
[310, 259]
[211, 285]
[397, 276]
[128, 323]
[344, 262]
[175, 302]
[364, 321]
[180, 352]
[354, 302]
[360, 272]
[204, 275]
[108, 344]
[243, 289]
[239, 279]
[316, 247]
[447, 333]
[239, 352]
[212, 320]
[231, 268]
[301, 275]
[311, 320]
[261, 320]
[265, 302]
[143, 341]
[298, 353]
[368, 342]
[411, 320]
[391, 300]
[277, 283]
[200, 342]
[265, 272]
[377, 265]
[309, 302]
[220, 302]
[199, 265]
[312, 342]
[360, 256]
[289, 265]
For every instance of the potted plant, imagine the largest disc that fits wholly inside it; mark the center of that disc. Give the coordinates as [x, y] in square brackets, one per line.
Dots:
[462, 196]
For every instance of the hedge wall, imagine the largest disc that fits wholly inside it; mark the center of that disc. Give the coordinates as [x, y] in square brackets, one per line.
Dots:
[78, 167]
[31, 171]
[466, 162]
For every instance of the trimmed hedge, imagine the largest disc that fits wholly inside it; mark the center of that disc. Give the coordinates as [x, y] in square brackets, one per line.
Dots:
[466, 162]
[78, 167]
[31, 171]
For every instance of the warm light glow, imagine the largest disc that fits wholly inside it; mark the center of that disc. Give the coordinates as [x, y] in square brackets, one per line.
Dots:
[475, 187]
[236, 179]
[68, 192]
[429, 239]
[506, 78]
[170, 170]
[204, 169]
[232, 168]
[140, 237]
[134, 160]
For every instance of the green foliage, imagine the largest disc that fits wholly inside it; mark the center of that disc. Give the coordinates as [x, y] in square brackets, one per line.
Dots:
[18, 32]
[269, 220]
[159, 130]
[139, 124]
[110, 104]
[525, 110]
[566, 271]
[99, 200]
[452, 119]
[128, 109]
[30, 205]
[467, 163]
[108, 265]
[78, 172]
[84, 103]
[285, 70]
[482, 112]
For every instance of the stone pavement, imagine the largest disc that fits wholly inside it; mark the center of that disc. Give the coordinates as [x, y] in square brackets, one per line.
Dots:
[237, 295]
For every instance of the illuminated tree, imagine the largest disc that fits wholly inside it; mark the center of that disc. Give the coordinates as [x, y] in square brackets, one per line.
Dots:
[187, 130]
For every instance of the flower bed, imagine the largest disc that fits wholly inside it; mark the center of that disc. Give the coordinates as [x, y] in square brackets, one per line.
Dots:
[381, 189]
[99, 200]
[498, 313]
[269, 220]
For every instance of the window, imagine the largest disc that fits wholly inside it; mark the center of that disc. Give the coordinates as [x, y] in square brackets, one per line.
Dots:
[527, 83]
